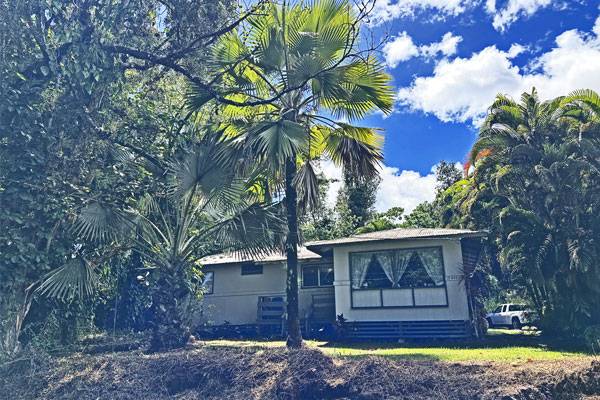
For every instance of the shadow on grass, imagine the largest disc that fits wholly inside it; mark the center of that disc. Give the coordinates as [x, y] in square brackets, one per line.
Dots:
[496, 339]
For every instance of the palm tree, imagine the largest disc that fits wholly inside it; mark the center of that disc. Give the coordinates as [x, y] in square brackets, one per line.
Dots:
[535, 176]
[276, 73]
[207, 207]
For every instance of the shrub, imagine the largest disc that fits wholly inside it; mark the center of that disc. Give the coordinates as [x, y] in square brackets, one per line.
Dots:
[592, 337]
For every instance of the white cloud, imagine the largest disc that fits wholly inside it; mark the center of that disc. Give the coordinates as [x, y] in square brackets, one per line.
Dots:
[402, 48]
[513, 10]
[447, 46]
[503, 16]
[405, 189]
[461, 89]
[387, 10]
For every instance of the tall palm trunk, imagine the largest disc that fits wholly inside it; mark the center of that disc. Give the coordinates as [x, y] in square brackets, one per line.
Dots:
[294, 337]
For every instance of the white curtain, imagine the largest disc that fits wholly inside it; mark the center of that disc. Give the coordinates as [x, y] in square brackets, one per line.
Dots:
[432, 261]
[360, 265]
[394, 263]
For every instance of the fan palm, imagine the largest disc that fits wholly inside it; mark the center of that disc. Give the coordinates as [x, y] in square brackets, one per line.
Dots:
[207, 207]
[276, 74]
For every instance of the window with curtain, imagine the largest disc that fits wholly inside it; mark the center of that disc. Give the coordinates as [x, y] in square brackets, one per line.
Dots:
[400, 269]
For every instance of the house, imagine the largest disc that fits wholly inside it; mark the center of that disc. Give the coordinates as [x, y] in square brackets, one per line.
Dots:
[398, 283]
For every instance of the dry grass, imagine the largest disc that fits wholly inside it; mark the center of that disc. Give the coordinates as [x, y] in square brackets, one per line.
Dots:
[272, 372]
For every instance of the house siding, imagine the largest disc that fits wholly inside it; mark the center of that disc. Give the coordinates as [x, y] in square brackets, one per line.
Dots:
[235, 296]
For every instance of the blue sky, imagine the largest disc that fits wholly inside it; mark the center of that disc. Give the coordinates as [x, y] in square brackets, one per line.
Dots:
[449, 58]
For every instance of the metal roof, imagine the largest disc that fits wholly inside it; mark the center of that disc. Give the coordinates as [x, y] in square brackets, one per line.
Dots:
[305, 253]
[398, 234]
[275, 256]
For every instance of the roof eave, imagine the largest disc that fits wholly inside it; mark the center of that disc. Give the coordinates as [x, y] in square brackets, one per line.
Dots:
[320, 246]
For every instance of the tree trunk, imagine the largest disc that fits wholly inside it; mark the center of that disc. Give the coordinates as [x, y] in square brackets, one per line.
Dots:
[169, 328]
[14, 310]
[294, 337]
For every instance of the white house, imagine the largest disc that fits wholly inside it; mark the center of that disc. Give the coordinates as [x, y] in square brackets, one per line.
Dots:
[388, 284]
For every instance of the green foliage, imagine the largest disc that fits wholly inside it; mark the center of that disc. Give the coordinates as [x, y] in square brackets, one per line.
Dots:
[301, 63]
[71, 103]
[208, 207]
[591, 336]
[534, 188]
[356, 201]
[446, 175]
[382, 221]
[319, 223]
[423, 216]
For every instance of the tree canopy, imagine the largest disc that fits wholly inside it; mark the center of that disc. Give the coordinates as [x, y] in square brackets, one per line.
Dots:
[534, 187]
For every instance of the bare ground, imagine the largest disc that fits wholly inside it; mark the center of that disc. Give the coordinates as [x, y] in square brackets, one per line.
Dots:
[237, 373]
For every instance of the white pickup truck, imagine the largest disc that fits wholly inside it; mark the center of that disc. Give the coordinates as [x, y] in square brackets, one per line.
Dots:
[513, 315]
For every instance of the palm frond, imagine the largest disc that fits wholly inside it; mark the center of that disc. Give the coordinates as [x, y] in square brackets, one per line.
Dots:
[278, 141]
[77, 279]
[251, 229]
[585, 98]
[206, 168]
[307, 184]
[357, 149]
[101, 223]
[356, 89]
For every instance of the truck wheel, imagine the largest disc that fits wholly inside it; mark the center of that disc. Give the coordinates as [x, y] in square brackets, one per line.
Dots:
[516, 324]
[489, 322]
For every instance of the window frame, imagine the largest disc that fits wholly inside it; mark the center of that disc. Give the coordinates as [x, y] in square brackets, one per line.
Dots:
[412, 289]
[318, 267]
[251, 264]
[212, 286]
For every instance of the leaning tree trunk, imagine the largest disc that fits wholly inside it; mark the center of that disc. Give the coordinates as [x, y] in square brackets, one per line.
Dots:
[14, 310]
[294, 336]
[169, 327]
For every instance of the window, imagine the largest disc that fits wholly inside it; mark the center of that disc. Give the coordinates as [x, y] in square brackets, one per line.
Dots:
[325, 276]
[398, 278]
[317, 275]
[416, 275]
[410, 268]
[516, 307]
[375, 277]
[208, 282]
[252, 269]
[310, 276]
[498, 309]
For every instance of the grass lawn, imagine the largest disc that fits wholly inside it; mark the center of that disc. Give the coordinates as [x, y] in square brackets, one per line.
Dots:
[500, 345]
